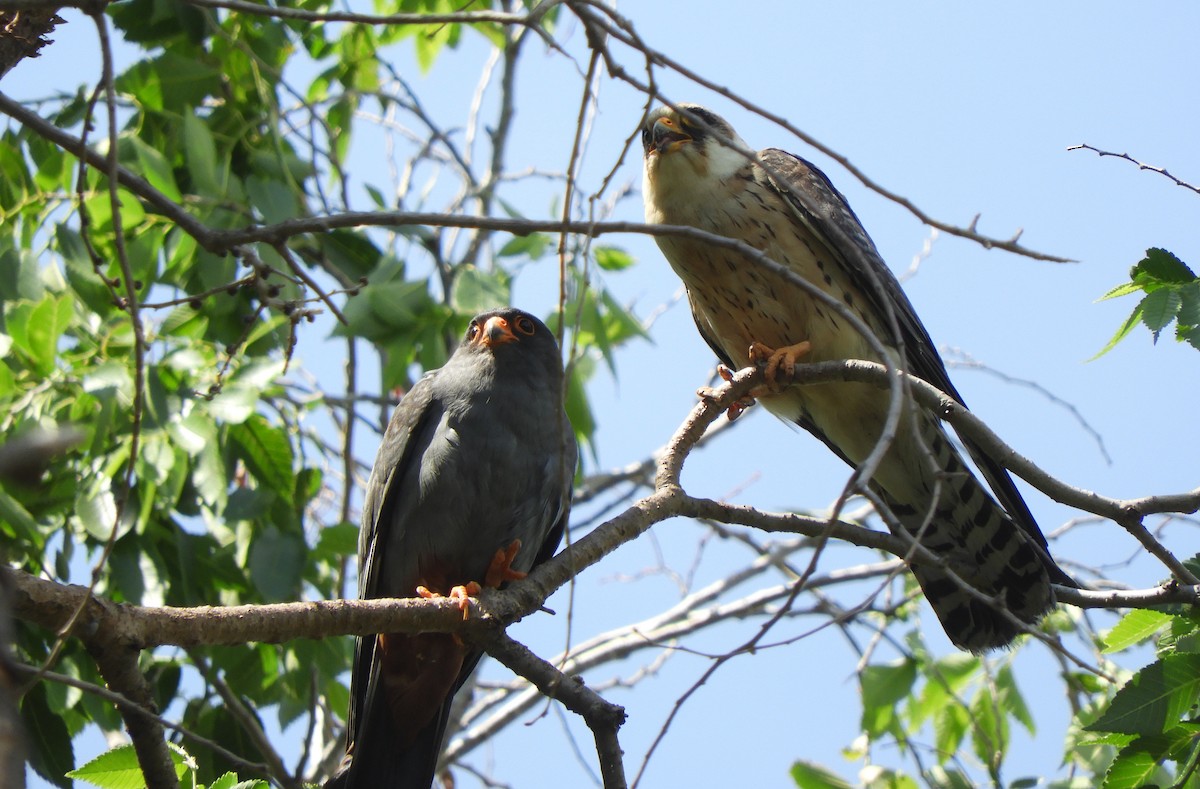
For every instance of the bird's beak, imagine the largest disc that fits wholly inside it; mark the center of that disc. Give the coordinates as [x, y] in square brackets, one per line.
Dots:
[495, 332]
[666, 136]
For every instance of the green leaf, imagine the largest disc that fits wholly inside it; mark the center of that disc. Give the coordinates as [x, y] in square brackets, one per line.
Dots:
[277, 564]
[1159, 309]
[100, 208]
[118, 768]
[1161, 267]
[1134, 766]
[612, 258]
[533, 245]
[945, 677]
[36, 328]
[939, 778]
[13, 515]
[80, 272]
[1134, 318]
[51, 753]
[336, 541]
[1155, 698]
[475, 291]
[273, 199]
[989, 733]
[152, 166]
[96, 509]
[201, 157]
[1011, 700]
[267, 454]
[1190, 336]
[883, 686]
[1134, 628]
[808, 775]
[950, 725]
[1189, 308]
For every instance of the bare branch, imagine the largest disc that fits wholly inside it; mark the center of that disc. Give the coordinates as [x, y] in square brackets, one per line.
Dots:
[1140, 165]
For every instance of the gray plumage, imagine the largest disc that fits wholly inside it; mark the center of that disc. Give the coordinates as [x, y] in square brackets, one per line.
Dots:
[697, 174]
[478, 453]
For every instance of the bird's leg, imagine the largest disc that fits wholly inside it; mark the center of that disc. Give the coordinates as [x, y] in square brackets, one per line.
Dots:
[778, 358]
[738, 407]
[499, 571]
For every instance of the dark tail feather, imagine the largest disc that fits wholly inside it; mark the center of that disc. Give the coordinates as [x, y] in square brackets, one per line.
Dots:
[976, 540]
[377, 762]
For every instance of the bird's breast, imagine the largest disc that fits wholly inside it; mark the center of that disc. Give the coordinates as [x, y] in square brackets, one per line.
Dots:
[739, 299]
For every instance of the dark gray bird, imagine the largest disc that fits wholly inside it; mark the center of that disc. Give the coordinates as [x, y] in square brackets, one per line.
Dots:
[471, 486]
[697, 174]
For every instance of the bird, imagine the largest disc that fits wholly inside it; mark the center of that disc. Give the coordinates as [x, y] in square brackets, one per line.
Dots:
[699, 173]
[471, 488]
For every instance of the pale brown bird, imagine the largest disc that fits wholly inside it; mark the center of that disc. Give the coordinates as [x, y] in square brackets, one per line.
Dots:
[698, 173]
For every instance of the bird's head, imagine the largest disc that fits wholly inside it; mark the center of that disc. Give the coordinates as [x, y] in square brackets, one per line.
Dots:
[511, 333]
[687, 146]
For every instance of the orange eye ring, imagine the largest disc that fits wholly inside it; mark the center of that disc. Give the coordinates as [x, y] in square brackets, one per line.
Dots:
[472, 331]
[525, 326]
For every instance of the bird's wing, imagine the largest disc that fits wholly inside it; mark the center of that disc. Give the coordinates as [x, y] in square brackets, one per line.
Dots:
[819, 206]
[570, 457]
[405, 438]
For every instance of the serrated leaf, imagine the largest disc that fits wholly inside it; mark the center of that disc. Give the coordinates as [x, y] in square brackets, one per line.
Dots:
[1132, 768]
[1190, 336]
[1134, 628]
[1134, 318]
[1121, 290]
[1189, 307]
[1160, 266]
[118, 768]
[1155, 698]
[813, 776]
[1159, 309]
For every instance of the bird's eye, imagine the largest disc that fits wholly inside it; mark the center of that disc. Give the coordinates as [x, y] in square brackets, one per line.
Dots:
[525, 325]
[646, 137]
[472, 331]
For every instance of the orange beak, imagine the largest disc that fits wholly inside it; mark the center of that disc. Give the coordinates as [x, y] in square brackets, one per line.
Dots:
[495, 332]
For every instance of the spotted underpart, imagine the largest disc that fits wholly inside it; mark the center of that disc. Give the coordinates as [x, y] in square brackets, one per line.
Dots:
[699, 173]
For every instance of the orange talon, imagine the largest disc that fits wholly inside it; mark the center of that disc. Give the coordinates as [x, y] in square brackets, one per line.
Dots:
[782, 358]
[500, 570]
[460, 594]
[739, 407]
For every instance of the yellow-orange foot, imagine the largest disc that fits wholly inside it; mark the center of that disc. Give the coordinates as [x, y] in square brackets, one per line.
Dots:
[778, 359]
[460, 594]
[710, 394]
[501, 569]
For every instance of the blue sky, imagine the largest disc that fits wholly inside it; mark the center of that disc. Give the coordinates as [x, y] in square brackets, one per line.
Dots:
[964, 110]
